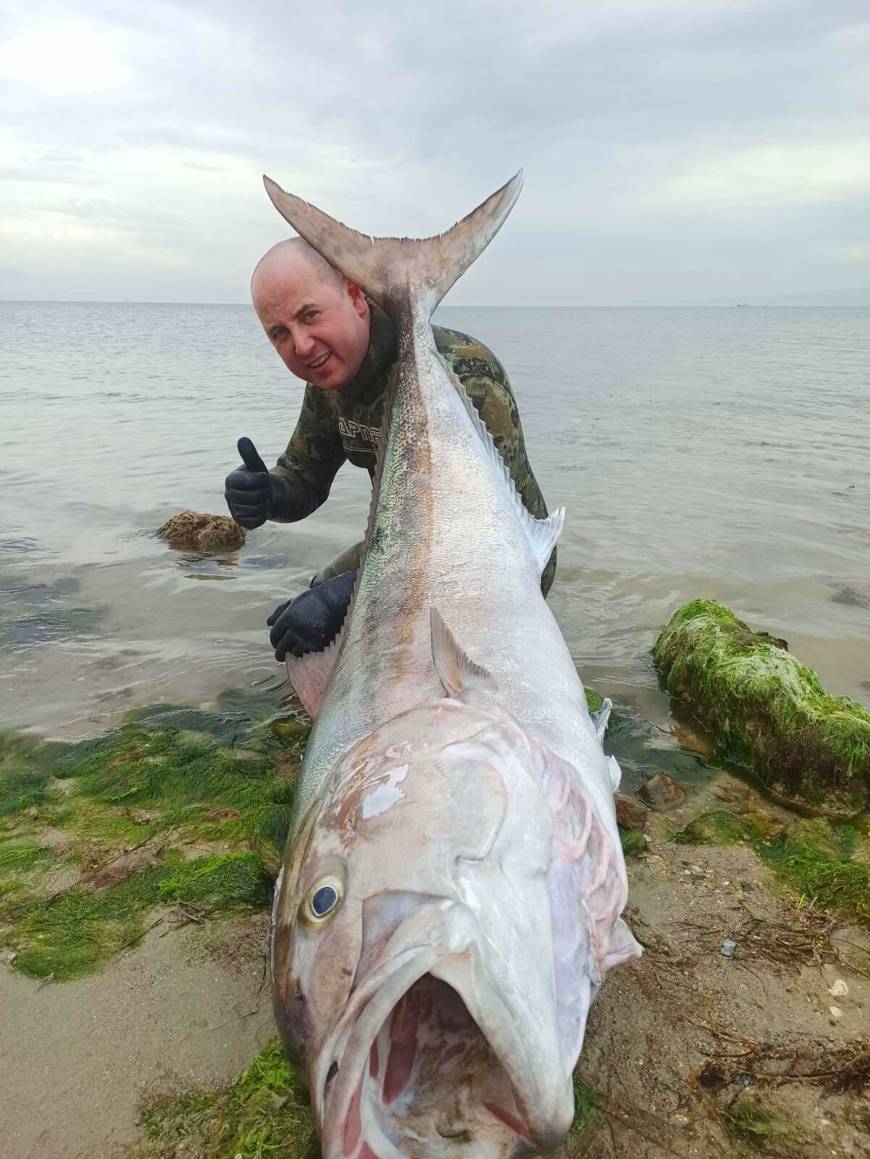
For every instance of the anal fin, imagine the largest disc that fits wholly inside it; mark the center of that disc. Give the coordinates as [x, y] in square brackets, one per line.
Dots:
[309, 675]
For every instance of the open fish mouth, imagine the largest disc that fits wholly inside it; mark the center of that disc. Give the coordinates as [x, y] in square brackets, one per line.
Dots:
[427, 1061]
[426, 1082]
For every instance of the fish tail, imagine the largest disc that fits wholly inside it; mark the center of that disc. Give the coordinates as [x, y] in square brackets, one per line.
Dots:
[392, 269]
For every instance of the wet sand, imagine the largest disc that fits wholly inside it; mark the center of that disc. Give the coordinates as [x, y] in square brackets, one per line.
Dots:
[676, 1041]
[77, 1058]
[667, 1030]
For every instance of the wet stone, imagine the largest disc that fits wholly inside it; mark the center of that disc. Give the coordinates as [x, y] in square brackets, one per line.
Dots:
[662, 793]
[201, 531]
[630, 813]
[851, 597]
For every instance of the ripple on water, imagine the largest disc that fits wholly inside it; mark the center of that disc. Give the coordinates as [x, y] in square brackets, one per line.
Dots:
[699, 453]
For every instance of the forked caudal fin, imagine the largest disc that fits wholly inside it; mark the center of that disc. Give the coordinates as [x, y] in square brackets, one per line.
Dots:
[393, 268]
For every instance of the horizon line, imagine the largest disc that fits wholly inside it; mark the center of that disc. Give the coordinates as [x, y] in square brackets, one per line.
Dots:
[715, 305]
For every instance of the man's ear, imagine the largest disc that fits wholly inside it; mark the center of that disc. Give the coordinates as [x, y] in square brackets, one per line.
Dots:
[358, 299]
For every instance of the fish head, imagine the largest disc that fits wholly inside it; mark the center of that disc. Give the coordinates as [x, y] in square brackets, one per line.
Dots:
[419, 970]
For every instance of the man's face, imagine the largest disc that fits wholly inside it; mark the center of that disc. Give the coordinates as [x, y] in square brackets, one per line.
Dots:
[320, 328]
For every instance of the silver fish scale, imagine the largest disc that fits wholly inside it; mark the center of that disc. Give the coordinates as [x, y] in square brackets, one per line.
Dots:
[429, 550]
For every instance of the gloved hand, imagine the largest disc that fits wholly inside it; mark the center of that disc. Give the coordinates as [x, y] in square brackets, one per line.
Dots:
[250, 491]
[310, 621]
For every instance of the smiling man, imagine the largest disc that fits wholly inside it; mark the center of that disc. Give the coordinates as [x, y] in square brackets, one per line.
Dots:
[342, 345]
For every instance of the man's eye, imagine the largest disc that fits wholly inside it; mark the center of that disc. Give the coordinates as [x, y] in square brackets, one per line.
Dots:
[310, 316]
[279, 335]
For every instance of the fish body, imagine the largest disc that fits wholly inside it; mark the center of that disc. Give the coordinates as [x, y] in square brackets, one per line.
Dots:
[453, 882]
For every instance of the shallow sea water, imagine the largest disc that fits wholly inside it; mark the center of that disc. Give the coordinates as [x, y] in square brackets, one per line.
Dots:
[699, 452]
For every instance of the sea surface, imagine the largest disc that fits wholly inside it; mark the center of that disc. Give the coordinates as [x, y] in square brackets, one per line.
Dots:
[699, 452]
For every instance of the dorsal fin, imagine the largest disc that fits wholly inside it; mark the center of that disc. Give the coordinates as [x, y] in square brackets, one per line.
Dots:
[458, 673]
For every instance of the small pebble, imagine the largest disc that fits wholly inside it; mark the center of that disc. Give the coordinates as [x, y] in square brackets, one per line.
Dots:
[727, 947]
[836, 1013]
[838, 989]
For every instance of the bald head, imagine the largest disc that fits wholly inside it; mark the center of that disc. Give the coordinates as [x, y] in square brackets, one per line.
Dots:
[315, 318]
[286, 258]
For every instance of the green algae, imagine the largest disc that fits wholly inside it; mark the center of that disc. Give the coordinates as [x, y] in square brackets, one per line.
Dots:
[263, 1113]
[219, 884]
[594, 700]
[632, 841]
[815, 858]
[17, 858]
[22, 864]
[266, 1113]
[587, 1116]
[148, 777]
[123, 809]
[189, 777]
[767, 711]
[719, 827]
[78, 931]
[752, 1121]
[26, 769]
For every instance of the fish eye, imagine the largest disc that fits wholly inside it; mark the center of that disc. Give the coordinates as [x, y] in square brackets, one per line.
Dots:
[322, 901]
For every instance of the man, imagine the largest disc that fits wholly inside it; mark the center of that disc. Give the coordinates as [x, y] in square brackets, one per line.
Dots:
[328, 333]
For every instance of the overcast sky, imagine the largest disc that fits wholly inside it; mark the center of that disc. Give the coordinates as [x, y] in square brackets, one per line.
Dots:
[674, 150]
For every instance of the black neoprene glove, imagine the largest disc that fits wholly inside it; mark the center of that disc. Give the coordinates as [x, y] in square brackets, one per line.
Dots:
[252, 494]
[310, 621]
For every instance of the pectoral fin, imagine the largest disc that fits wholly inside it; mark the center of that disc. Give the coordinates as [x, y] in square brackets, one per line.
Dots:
[457, 671]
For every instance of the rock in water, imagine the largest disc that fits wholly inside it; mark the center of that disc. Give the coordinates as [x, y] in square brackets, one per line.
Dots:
[662, 792]
[766, 710]
[201, 532]
[630, 814]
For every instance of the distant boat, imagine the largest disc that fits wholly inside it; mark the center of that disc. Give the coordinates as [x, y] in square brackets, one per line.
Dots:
[742, 305]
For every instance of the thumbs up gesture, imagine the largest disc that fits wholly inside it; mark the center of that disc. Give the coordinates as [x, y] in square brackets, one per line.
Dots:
[249, 488]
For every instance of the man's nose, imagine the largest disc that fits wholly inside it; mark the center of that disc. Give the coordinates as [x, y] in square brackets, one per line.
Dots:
[303, 342]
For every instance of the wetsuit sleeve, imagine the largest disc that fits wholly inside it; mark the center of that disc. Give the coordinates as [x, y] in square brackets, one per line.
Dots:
[309, 464]
[489, 389]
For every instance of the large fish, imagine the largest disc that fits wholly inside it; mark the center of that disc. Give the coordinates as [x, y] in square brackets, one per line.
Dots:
[451, 892]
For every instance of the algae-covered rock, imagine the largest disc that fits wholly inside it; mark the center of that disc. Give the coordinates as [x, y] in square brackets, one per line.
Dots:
[766, 710]
[202, 532]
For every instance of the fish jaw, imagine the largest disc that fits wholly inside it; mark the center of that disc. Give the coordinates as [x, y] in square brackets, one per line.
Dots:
[479, 893]
[430, 1050]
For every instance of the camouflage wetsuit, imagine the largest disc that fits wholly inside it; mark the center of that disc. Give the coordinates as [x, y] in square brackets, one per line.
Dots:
[345, 424]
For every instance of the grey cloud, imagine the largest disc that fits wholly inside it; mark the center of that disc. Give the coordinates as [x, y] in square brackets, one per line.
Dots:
[391, 118]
